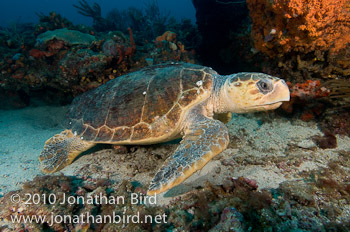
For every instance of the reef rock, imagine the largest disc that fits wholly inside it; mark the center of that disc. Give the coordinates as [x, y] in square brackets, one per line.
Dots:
[70, 37]
[231, 220]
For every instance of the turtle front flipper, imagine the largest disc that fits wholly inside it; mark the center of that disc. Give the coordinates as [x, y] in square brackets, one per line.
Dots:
[203, 139]
[60, 151]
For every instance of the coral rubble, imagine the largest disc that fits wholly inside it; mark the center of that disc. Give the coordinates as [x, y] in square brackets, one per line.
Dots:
[294, 205]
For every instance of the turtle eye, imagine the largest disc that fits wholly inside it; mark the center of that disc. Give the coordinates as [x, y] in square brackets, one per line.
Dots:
[264, 86]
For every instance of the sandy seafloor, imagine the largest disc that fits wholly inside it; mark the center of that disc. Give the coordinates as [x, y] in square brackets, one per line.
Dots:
[265, 147]
[22, 135]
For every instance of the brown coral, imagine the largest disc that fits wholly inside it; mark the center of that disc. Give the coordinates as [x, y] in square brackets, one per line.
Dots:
[167, 36]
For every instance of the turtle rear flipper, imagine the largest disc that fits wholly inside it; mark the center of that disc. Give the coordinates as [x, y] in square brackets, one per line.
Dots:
[204, 138]
[60, 151]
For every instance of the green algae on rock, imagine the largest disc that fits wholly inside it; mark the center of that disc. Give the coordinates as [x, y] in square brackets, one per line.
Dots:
[70, 37]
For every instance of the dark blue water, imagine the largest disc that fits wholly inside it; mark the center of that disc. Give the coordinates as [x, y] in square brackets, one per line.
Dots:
[22, 11]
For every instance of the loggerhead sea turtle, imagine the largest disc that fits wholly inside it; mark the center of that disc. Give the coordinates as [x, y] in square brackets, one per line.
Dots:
[158, 104]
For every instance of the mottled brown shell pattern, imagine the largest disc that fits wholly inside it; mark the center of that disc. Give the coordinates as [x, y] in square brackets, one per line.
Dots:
[141, 107]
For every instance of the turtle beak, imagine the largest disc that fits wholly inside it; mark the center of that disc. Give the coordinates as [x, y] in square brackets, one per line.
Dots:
[280, 93]
[281, 88]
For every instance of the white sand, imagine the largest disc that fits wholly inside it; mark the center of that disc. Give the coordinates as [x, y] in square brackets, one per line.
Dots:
[22, 136]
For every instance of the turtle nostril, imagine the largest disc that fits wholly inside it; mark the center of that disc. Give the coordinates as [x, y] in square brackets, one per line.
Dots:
[283, 82]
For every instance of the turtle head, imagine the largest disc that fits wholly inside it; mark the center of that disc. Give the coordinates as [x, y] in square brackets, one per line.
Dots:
[250, 92]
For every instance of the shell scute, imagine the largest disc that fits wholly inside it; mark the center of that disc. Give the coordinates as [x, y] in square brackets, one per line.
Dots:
[145, 104]
[120, 134]
[174, 115]
[189, 96]
[141, 131]
[104, 134]
[190, 78]
[208, 80]
[163, 93]
[89, 134]
[126, 106]
[77, 126]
